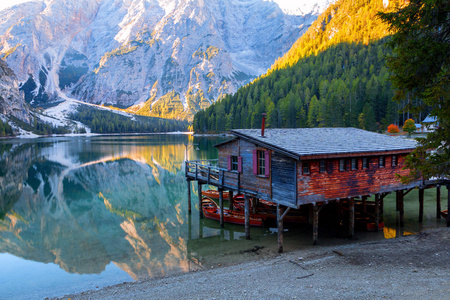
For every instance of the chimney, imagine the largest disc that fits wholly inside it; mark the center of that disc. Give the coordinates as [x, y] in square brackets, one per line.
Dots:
[263, 125]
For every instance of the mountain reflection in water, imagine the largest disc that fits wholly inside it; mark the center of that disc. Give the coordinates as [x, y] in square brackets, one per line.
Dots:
[82, 203]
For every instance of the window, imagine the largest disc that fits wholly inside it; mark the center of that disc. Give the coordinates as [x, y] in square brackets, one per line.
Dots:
[381, 162]
[354, 164]
[234, 163]
[365, 163]
[306, 169]
[394, 160]
[261, 163]
[322, 166]
[342, 165]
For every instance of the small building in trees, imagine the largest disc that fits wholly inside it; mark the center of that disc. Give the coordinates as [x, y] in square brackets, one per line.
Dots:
[429, 124]
[307, 167]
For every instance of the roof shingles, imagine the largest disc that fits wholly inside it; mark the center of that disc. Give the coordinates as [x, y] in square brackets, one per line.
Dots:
[319, 141]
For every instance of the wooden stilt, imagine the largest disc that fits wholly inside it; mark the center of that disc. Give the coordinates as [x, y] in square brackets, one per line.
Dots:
[247, 217]
[351, 210]
[254, 205]
[200, 199]
[377, 211]
[438, 202]
[397, 199]
[421, 193]
[280, 228]
[189, 196]
[221, 206]
[315, 224]
[382, 205]
[401, 208]
[448, 205]
[364, 200]
[230, 200]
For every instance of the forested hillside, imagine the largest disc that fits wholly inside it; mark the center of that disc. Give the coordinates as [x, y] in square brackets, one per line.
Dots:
[335, 75]
[102, 121]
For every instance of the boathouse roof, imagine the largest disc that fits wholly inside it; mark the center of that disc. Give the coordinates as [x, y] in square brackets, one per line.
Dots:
[300, 142]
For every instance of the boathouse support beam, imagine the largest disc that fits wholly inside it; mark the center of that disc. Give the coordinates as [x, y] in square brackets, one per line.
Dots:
[421, 194]
[438, 201]
[247, 216]
[351, 210]
[200, 207]
[377, 211]
[400, 206]
[221, 206]
[448, 206]
[316, 210]
[189, 196]
[280, 211]
[230, 200]
[315, 223]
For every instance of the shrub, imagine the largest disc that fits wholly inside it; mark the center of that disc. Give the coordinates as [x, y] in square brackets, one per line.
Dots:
[409, 126]
[393, 128]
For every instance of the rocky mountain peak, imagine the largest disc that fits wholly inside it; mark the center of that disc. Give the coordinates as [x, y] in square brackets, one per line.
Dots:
[155, 57]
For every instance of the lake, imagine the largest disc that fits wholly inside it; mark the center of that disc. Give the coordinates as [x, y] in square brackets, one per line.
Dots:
[79, 213]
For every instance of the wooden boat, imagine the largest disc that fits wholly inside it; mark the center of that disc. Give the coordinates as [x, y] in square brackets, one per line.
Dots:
[268, 211]
[444, 214]
[213, 194]
[212, 211]
[371, 226]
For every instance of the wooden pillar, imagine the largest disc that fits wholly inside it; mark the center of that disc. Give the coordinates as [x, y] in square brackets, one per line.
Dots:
[351, 210]
[200, 207]
[315, 224]
[221, 206]
[230, 200]
[448, 206]
[377, 211]
[189, 196]
[382, 205]
[438, 202]
[254, 205]
[280, 211]
[397, 199]
[364, 204]
[401, 208]
[247, 217]
[421, 192]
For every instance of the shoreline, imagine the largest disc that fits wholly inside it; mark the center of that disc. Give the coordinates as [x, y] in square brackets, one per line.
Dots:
[408, 267]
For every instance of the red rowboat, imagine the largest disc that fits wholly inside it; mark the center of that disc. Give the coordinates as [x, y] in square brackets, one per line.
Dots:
[267, 210]
[213, 194]
[371, 226]
[212, 211]
[444, 214]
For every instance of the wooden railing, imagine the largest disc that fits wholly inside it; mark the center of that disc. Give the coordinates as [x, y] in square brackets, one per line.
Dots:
[209, 172]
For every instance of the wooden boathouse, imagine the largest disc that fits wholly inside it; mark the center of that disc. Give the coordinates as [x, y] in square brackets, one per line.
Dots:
[310, 166]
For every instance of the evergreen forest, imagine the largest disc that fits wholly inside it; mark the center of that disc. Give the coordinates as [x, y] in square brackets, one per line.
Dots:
[334, 76]
[102, 121]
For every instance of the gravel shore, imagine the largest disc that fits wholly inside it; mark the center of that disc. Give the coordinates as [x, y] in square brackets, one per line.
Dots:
[410, 267]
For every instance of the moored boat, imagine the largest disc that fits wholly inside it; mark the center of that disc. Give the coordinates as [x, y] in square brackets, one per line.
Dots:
[213, 194]
[444, 214]
[212, 211]
[268, 210]
[372, 227]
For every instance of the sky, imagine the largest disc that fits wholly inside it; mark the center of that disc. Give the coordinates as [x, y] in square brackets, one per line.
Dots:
[286, 4]
[7, 3]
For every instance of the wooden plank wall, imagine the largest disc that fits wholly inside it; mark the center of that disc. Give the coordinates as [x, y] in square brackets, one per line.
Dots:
[283, 179]
[259, 184]
[350, 183]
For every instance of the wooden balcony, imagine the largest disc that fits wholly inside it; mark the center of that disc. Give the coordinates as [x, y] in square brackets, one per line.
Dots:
[208, 172]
